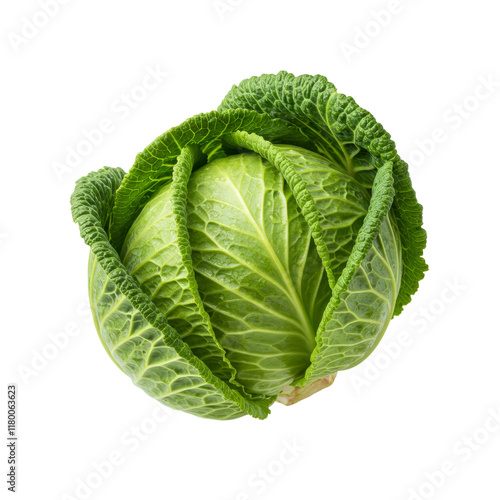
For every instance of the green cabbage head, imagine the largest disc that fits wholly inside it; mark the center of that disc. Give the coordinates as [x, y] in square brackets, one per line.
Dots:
[252, 252]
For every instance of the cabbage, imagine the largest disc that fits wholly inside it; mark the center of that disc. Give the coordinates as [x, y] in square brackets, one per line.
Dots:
[252, 252]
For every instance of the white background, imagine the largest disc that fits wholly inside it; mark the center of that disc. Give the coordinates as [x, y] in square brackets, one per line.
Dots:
[426, 399]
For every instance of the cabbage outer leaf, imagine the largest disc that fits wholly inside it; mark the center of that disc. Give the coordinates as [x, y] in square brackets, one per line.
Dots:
[352, 139]
[134, 332]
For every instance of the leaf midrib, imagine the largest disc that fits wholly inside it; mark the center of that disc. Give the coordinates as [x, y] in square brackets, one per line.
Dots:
[293, 295]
